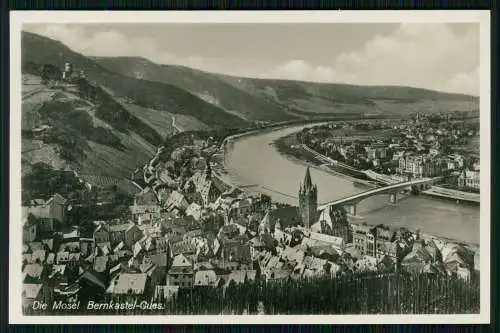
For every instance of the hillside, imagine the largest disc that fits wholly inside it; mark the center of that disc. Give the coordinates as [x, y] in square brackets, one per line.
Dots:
[208, 87]
[75, 137]
[267, 99]
[38, 50]
[310, 99]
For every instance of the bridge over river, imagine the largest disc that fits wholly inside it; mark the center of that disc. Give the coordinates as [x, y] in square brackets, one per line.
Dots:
[352, 200]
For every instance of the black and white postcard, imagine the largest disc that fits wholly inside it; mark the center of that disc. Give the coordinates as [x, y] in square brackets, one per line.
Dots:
[246, 167]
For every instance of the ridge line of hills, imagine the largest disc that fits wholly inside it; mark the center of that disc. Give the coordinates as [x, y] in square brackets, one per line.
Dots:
[104, 61]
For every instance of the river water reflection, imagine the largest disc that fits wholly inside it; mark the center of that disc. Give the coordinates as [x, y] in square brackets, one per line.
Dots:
[255, 163]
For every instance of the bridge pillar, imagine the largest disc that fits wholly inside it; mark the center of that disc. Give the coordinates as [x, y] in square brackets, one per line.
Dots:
[352, 209]
[392, 198]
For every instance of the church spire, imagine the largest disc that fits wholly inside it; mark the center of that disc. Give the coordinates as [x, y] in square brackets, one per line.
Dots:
[308, 200]
[307, 180]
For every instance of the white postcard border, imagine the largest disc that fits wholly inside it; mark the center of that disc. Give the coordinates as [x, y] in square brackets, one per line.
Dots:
[67, 17]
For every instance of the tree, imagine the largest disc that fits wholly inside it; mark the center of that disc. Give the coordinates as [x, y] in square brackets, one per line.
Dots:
[50, 72]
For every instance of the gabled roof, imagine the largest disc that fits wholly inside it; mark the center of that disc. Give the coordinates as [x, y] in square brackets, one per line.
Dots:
[166, 292]
[29, 220]
[120, 227]
[93, 277]
[239, 276]
[128, 282]
[181, 261]
[31, 290]
[205, 278]
[307, 179]
[58, 199]
[33, 270]
[100, 263]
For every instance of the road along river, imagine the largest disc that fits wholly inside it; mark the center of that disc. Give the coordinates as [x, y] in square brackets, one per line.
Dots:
[253, 162]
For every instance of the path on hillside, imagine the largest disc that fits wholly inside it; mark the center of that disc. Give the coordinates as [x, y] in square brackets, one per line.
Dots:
[174, 125]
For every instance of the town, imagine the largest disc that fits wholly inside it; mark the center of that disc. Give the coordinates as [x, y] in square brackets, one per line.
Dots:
[396, 151]
[187, 232]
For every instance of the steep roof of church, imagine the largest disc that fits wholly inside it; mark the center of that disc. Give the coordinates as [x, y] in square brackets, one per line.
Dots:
[307, 179]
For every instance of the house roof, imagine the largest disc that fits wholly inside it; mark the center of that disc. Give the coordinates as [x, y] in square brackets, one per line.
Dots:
[458, 251]
[315, 264]
[287, 216]
[100, 263]
[33, 270]
[36, 246]
[324, 252]
[146, 197]
[366, 263]
[159, 259]
[37, 202]
[335, 241]
[293, 254]
[181, 261]
[58, 199]
[29, 220]
[57, 269]
[50, 258]
[239, 253]
[38, 255]
[175, 200]
[385, 261]
[278, 274]
[62, 256]
[120, 227]
[74, 233]
[125, 282]
[205, 278]
[166, 291]
[182, 247]
[31, 290]
[239, 276]
[93, 277]
[194, 210]
[419, 254]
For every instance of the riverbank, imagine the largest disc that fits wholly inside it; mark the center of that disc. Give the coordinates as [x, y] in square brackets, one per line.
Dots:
[305, 158]
[290, 148]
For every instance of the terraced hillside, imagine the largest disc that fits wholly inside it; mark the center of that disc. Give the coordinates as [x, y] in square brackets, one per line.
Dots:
[75, 138]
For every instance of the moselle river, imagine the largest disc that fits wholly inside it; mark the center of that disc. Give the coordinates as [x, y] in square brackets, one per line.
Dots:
[255, 163]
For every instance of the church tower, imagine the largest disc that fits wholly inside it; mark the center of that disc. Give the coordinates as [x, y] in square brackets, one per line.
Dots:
[308, 201]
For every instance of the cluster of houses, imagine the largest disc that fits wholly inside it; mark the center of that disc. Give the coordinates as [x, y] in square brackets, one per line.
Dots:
[420, 150]
[187, 229]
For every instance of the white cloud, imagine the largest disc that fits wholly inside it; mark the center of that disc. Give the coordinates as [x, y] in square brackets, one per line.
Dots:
[420, 55]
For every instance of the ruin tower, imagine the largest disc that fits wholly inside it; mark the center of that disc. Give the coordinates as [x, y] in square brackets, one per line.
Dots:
[68, 70]
[308, 201]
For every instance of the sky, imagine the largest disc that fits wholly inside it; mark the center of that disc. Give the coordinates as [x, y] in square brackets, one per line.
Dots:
[442, 57]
